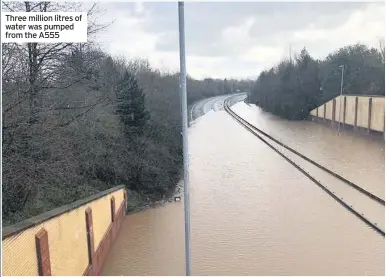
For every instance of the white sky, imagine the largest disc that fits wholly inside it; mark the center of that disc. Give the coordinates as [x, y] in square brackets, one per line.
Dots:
[237, 39]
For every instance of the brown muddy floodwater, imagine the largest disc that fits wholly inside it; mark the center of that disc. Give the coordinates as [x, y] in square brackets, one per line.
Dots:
[253, 213]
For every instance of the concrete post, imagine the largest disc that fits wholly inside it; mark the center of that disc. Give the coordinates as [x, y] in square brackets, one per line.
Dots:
[324, 112]
[383, 124]
[125, 199]
[90, 235]
[333, 111]
[356, 113]
[384, 119]
[43, 253]
[344, 110]
[369, 114]
[112, 207]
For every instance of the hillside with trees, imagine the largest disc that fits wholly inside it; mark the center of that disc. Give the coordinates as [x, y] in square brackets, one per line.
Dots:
[294, 87]
[77, 121]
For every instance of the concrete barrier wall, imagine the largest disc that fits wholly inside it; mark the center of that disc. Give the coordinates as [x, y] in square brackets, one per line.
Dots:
[329, 110]
[58, 243]
[363, 112]
[321, 111]
[339, 109]
[378, 114]
[349, 112]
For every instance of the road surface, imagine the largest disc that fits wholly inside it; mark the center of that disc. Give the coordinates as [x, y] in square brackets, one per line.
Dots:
[206, 105]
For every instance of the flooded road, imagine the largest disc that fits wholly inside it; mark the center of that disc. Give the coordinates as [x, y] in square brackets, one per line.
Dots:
[357, 158]
[253, 213]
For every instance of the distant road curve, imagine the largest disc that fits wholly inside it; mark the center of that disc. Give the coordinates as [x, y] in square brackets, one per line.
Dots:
[213, 103]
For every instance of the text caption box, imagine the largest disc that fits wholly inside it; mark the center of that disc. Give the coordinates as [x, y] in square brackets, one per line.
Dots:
[44, 27]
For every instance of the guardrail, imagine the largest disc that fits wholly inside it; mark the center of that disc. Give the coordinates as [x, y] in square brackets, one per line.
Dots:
[70, 240]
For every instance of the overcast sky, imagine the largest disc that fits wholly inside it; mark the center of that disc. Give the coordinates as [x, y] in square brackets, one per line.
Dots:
[237, 39]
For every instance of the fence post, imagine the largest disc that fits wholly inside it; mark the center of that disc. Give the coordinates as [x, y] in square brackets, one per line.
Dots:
[344, 110]
[324, 111]
[90, 236]
[43, 253]
[112, 206]
[125, 199]
[369, 114]
[356, 113]
[333, 111]
[383, 118]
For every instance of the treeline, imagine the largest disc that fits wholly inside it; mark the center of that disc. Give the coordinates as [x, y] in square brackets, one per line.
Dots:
[294, 87]
[77, 121]
[199, 89]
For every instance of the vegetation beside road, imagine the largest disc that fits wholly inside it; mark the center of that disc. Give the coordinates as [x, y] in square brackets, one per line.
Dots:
[77, 121]
[296, 86]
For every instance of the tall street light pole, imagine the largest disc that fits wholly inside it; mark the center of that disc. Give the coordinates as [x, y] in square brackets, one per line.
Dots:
[184, 110]
[341, 98]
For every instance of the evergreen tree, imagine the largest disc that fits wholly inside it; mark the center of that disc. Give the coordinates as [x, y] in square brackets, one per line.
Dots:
[131, 105]
[295, 87]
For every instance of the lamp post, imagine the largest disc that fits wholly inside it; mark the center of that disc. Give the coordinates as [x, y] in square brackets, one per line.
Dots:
[341, 93]
[184, 110]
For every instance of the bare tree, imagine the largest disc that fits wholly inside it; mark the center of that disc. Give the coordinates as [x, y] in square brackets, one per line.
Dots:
[382, 48]
[34, 81]
[62, 137]
[44, 58]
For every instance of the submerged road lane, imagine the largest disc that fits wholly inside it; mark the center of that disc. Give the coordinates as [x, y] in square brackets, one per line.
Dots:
[204, 106]
[251, 212]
